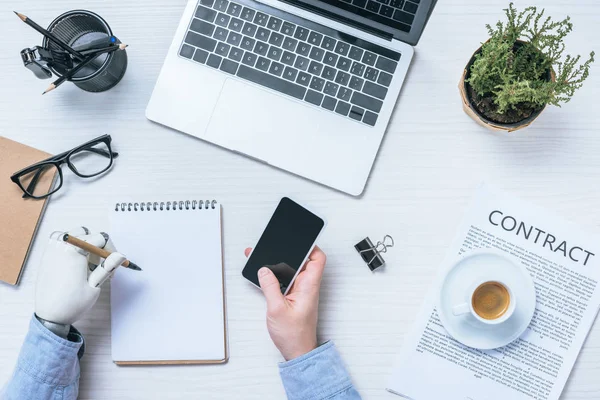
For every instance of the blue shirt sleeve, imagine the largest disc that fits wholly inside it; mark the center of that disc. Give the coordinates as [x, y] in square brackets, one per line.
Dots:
[48, 366]
[318, 375]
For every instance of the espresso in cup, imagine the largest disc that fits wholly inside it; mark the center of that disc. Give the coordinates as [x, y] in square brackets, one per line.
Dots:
[490, 300]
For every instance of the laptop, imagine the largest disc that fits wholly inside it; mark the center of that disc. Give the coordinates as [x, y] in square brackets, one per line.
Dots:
[307, 86]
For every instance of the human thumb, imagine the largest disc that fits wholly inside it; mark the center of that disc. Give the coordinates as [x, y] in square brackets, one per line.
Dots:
[270, 287]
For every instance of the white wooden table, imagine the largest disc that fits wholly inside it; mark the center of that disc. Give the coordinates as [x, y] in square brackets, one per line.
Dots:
[432, 158]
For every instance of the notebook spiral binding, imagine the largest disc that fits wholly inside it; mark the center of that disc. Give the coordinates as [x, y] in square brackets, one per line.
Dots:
[168, 205]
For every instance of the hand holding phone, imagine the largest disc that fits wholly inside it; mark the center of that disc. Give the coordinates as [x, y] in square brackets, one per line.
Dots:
[292, 319]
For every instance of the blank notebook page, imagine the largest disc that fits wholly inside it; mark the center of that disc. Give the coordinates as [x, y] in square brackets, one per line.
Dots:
[173, 310]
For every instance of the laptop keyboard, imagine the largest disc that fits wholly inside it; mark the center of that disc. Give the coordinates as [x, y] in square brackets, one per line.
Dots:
[293, 56]
[401, 11]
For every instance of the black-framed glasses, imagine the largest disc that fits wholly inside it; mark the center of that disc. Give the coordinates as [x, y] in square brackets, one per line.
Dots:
[86, 161]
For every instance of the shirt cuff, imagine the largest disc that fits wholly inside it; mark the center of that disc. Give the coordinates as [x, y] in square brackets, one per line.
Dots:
[49, 358]
[319, 374]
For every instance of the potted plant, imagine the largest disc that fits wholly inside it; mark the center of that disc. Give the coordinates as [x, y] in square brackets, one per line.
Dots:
[520, 69]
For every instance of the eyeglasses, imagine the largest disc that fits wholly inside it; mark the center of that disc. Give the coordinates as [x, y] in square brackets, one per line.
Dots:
[86, 161]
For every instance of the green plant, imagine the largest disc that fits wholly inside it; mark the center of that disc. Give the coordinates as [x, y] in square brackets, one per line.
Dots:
[513, 66]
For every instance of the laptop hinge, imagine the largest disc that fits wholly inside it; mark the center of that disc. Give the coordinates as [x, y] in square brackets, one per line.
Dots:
[346, 21]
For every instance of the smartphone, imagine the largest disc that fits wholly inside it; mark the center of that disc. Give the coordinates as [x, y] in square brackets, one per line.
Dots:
[285, 244]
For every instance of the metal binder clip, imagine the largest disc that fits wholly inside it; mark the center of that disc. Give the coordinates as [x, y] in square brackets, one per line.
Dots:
[36, 59]
[371, 254]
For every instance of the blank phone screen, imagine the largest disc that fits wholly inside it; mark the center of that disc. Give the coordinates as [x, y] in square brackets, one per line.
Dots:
[285, 243]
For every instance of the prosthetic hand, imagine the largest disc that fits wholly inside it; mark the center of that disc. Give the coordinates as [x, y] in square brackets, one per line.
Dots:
[65, 287]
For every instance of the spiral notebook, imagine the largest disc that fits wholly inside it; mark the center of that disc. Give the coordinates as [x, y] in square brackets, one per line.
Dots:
[172, 312]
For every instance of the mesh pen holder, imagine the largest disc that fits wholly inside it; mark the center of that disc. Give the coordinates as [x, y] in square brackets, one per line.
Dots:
[79, 27]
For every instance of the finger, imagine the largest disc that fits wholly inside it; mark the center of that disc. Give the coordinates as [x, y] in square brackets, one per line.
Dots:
[95, 239]
[248, 251]
[271, 289]
[315, 266]
[106, 270]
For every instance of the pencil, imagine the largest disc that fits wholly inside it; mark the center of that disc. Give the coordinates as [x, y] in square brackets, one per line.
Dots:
[50, 36]
[69, 74]
[96, 250]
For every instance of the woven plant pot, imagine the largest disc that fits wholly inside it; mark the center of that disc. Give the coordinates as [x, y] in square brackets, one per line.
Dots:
[481, 119]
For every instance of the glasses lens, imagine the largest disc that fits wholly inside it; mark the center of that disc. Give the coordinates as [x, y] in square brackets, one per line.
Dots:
[92, 160]
[38, 183]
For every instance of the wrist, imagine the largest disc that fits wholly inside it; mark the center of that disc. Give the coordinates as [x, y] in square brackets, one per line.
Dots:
[60, 330]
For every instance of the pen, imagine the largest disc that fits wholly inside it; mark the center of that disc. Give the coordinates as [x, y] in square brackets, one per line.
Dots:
[50, 36]
[97, 44]
[96, 250]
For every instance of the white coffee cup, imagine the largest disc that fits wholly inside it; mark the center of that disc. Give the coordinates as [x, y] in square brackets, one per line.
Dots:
[468, 306]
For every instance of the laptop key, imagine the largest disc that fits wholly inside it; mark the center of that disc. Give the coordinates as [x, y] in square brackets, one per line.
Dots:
[342, 48]
[289, 43]
[364, 101]
[359, 3]
[373, 6]
[369, 58]
[247, 14]
[207, 3]
[249, 58]
[200, 56]
[186, 51]
[342, 108]
[331, 88]
[263, 64]
[313, 97]
[329, 103]
[370, 118]
[229, 66]
[403, 16]
[274, 24]
[316, 53]
[317, 83]
[303, 49]
[288, 58]
[371, 74]
[397, 3]
[315, 38]
[355, 53]
[288, 28]
[221, 5]
[263, 34]
[356, 83]
[290, 73]
[386, 11]
[329, 73]
[315, 68]
[330, 59]
[274, 53]
[261, 48]
[276, 39]
[356, 113]
[234, 9]
[344, 64]
[206, 14]
[303, 78]
[375, 90]
[222, 20]
[344, 93]
[410, 7]
[234, 38]
[236, 54]
[200, 41]
[357, 68]
[222, 49]
[386, 64]
[301, 33]
[342, 78]
[214, 61]
[384, 79]
[278, 84]
[247, 43]
[328, 43]
[236, 24]
[202, 27]
[220, 34]
[276, 68]
[301, 63]
[261, 19]
[249, 29]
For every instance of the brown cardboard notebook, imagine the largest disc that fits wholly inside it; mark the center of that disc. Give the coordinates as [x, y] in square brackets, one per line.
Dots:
[19, 217]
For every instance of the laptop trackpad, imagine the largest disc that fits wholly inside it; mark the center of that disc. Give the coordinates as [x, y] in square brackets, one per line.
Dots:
[281, 131]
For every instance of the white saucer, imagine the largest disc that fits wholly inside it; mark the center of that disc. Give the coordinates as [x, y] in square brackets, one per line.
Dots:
[491, 265]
